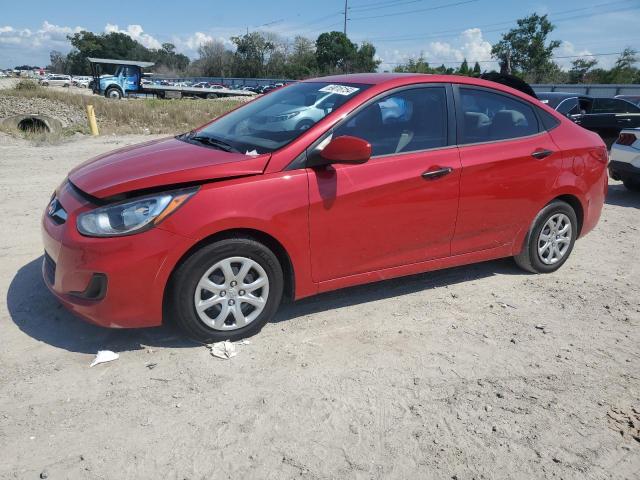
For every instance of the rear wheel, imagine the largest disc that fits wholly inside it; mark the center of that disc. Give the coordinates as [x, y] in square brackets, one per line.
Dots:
[211, 96]
[633, 185]
[226, 290]
[550, 239]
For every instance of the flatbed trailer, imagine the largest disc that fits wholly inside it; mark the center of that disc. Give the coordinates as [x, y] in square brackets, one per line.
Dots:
[171, 91]
[127, 80]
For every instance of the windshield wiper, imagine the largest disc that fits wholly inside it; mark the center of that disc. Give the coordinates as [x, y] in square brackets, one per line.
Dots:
[214, 142]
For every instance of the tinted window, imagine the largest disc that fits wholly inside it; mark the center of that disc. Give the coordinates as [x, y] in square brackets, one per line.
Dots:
[274, 120]
[569, 106]
[406, 121]
[613, 105]
[549, 122]
[490, 116]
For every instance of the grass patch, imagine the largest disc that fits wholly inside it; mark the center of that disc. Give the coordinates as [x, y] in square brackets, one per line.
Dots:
[135, 115]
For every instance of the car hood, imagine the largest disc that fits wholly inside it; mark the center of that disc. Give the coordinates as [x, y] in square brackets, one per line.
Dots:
[160, 163]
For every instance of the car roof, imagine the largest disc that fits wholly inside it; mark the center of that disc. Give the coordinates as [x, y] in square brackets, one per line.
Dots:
[561, 95]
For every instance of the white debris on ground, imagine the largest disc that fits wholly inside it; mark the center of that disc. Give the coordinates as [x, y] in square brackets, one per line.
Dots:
[226, 350]
[104, 356]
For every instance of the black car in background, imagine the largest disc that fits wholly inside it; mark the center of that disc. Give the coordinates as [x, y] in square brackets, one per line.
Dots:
[635, 99]
[605, 116]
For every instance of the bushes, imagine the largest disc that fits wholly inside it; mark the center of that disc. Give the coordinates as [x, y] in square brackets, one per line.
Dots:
[26, 84]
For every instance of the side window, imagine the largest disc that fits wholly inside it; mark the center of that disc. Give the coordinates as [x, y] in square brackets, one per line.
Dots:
[569, 106]
[406, 121]
[612, 105]
[490, 116]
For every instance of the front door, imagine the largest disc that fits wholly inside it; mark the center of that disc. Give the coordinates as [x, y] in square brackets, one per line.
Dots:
[398, 208]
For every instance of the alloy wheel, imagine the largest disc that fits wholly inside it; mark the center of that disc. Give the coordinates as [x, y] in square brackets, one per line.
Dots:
[232, 293]
[554, 240]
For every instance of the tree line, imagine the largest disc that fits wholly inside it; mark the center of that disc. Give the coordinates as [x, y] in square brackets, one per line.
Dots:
[525, 51]
[255, 54]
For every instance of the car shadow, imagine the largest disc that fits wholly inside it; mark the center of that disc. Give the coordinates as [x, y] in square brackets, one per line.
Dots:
[396, 287]
[37, 313]
[620, 196]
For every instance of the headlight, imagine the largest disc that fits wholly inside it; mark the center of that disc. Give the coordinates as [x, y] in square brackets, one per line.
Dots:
[131, 216]
[283, 117]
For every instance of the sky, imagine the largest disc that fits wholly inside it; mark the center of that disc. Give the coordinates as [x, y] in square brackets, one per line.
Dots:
[445, 31]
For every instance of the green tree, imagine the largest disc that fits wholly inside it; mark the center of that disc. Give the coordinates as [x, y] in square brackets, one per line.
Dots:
[252, 53]
[477, 71]
[365, 58]
[302, 60]
[624, 70]
[335, 52]
[464, 68]
[419, 65]
[580, 67]
[526, 48]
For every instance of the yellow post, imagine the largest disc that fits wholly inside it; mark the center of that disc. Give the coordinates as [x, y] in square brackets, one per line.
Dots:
[93, 125]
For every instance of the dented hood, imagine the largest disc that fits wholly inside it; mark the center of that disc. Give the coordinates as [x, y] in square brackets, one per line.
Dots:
[158, 163]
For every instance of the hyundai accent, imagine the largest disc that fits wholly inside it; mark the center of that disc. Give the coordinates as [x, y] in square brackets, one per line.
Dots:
[396, 174]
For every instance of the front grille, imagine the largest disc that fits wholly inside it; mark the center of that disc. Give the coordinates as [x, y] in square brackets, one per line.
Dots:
[49, 269]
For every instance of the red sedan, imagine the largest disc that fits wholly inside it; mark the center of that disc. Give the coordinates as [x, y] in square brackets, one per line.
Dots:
[320, 185]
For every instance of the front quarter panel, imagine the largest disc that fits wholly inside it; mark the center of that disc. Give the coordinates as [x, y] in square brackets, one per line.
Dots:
[276, 204]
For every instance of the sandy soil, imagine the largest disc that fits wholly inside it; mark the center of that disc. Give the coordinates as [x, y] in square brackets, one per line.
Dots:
[442, 375]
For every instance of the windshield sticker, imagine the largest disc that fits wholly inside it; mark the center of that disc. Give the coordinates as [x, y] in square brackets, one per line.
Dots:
[339, 89]
[252, 153]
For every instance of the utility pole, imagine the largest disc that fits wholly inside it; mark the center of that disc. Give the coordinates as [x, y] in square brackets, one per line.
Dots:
[346, 7]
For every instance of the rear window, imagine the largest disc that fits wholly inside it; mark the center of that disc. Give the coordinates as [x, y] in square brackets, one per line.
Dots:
[489, 116]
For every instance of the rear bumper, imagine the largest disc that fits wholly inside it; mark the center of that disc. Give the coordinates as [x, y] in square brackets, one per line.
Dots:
[622, 170]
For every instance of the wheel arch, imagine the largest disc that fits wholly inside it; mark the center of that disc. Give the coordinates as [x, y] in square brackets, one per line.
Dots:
[113, 85]
[266, 239]
[576, 204]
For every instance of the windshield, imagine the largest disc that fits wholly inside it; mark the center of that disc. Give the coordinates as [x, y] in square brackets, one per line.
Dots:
[276, 119]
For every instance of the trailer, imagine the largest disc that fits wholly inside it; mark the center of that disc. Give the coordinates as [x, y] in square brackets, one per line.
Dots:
[128, 77]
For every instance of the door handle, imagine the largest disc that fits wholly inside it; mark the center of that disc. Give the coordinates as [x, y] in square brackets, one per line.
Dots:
[440, 172]
[542, 153]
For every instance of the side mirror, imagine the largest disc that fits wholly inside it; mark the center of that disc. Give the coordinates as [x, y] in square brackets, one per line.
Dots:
[345, 149]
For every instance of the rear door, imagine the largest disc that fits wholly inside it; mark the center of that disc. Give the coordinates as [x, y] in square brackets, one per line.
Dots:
[398, 208]
[509, 163]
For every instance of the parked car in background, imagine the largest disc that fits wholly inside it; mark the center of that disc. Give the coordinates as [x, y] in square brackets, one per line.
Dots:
[635, 99]
[213, 228]
[56, 81]
[605, 116]
[624, 158]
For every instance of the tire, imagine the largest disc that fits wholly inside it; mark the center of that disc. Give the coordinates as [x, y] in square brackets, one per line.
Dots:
[212, 96]
[549, 260]
[45, 84]
[185, 290]
[113, 93]
[632, 185]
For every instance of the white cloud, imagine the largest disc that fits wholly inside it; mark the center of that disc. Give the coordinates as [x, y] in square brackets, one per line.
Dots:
[470, 44]
[136, 32]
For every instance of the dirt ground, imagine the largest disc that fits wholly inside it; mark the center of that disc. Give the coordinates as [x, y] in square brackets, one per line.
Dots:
[442, 375]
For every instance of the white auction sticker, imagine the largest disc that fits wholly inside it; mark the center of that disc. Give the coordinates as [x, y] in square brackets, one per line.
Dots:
[339, 89]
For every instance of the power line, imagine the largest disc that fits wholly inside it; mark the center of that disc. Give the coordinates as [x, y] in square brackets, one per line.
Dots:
[457, 31]
[493, 61]
[420, 10]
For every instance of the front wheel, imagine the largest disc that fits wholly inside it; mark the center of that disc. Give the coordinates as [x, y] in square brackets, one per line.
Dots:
[114, 93]
[227, 290]
[550, 239]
